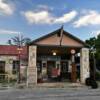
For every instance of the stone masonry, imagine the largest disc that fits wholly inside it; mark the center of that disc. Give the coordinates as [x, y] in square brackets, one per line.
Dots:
[84, 64]
[32, 69]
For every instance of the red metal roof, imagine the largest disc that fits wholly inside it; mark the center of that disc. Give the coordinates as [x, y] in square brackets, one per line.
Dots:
[13, 50]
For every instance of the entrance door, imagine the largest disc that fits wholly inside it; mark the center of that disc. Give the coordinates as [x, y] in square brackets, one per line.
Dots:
[64, 70]
[50, 65]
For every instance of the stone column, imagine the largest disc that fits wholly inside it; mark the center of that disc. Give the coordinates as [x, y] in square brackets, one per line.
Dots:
[84, 64]
[32, 69]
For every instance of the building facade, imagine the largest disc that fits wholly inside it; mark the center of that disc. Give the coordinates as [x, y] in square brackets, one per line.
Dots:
[57, 55]
[11, 59]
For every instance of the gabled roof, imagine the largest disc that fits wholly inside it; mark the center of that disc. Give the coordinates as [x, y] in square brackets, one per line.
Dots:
[56, 32]
[12, 50]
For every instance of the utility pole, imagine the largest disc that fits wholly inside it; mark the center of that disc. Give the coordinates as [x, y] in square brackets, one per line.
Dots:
[73, 73]
[93, 49]
[19, 53]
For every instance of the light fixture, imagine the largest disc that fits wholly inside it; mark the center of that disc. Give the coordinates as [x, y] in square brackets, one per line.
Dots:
[54, 53]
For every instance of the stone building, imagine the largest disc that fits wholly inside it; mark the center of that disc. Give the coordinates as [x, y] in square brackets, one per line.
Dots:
[57, 52]
[9, 60]
[57, 56]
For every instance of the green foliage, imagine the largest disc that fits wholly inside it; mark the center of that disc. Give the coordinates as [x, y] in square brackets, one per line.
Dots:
[91, 42]
[97, 76]
[19, 41]
[94, 43]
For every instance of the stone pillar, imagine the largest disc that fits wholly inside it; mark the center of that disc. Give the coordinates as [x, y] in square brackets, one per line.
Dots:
[84, 64]
[32, 69]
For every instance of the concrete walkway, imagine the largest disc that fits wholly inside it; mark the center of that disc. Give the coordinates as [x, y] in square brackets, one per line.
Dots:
[67, 85]
[61, 85]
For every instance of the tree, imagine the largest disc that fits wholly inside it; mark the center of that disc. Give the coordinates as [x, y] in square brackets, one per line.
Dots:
[91, 42]
[94, 44]
[19, 41]
[97, 44]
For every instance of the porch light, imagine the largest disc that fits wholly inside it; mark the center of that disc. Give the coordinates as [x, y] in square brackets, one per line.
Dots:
[78, 54]
[54, 53]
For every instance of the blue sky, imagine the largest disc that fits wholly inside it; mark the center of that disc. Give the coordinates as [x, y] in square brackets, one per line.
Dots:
[34, 18]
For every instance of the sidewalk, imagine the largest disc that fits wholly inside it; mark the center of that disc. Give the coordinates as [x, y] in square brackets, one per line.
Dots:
[60, 85]
[67, 85]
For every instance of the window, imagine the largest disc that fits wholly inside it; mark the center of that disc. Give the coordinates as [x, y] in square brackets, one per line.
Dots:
[15, 67]
[2, 67]
[44, 65]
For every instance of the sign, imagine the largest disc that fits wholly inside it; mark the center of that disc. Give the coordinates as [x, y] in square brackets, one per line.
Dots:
[73, 51]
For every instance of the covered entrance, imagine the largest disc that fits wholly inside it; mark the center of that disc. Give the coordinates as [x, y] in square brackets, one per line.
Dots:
[51, 57]
[54, 63]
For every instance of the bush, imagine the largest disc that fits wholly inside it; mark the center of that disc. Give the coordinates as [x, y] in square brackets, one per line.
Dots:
[88, 81]
[91, 82]
[94, 84]
[97, 76]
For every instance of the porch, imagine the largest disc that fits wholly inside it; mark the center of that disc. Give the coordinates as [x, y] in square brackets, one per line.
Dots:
[54, 63]
[55, 56]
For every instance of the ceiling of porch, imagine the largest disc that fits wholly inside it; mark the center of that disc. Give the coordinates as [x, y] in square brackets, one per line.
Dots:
[49, 50]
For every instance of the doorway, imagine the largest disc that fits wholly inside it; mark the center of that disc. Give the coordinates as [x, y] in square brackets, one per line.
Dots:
[2, 70]
[2, 67]
[64, 70]
[50, 66]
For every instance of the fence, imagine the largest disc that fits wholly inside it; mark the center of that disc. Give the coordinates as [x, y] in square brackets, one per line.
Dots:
[7, 80]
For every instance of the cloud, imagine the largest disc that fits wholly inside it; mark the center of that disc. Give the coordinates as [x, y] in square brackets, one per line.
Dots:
[42, 17]
[95, 33]
[66, 17]
[6, 8]
[45, 17]
[91, 18]
[3, 31]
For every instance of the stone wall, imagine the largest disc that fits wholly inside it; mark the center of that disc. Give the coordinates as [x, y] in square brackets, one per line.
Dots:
[8, 63]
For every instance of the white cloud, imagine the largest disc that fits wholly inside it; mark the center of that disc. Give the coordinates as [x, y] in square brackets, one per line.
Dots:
[95, 33]
[45, 17]
[6, 8]
[38, 17]
[91, 18]
[4, 31]
[66, 17]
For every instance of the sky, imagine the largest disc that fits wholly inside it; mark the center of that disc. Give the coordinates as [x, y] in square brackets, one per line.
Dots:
[34, 18]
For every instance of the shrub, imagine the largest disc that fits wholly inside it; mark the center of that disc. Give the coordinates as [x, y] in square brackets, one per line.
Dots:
[91, 82]
[88, 81]
[94, 84]
[97, 76]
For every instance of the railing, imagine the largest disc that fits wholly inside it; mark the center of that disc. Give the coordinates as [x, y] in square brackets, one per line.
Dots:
[7, 80]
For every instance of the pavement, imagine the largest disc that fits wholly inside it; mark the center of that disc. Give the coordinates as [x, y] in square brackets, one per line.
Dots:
[60, 85]
[67, 85]
[50, 94]
[54, 91]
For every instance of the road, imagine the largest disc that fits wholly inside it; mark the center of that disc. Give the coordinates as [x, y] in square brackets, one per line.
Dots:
[50, 94]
